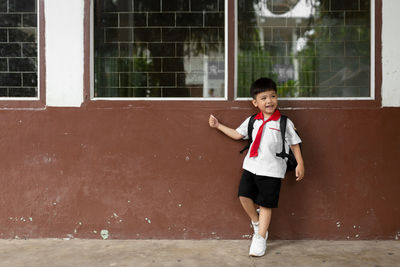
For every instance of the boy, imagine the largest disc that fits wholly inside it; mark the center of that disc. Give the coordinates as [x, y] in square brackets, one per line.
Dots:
[263, 170]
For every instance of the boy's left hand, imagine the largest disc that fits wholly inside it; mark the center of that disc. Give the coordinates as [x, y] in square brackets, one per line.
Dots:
[299, 172]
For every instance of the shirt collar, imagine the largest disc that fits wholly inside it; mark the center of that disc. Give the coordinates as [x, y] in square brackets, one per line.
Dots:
[274, 117]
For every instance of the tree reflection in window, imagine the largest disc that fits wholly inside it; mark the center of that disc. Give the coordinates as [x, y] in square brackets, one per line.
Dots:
[150, 48]
[312, 48]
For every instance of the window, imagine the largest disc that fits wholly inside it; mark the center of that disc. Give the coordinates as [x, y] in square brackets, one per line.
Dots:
[159, 49]
[18, 49]
[312, 48]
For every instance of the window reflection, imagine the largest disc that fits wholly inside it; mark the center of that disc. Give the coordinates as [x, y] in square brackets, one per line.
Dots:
[312, 48]
[149, 48]
[18, 48]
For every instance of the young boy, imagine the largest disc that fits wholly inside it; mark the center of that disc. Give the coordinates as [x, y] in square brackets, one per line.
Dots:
[263, 170]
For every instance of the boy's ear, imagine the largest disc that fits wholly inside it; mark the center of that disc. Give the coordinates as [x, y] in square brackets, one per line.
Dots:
[254, 102]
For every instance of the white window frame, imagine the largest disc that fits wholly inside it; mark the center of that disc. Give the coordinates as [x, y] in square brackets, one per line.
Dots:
[92, 98]
[372, 65]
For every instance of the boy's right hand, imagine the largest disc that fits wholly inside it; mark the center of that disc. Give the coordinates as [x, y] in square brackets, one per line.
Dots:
[213, 122]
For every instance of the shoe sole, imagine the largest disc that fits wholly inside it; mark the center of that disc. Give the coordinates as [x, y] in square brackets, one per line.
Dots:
[254, 255]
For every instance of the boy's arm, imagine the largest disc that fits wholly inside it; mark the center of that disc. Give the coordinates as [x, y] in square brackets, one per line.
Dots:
[232, 133]
[300, 163]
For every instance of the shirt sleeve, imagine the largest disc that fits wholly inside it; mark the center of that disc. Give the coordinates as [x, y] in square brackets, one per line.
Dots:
[292, 138]
[242, 129]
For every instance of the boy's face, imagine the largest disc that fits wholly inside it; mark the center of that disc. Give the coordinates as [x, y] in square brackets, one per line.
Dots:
[266, 102]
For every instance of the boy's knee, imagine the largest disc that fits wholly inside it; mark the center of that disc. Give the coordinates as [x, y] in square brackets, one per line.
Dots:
[265, 209]
[244, 199]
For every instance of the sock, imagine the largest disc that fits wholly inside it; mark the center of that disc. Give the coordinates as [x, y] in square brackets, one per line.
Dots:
[255, 227]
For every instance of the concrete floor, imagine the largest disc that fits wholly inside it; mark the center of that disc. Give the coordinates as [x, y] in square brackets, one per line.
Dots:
[76, 252]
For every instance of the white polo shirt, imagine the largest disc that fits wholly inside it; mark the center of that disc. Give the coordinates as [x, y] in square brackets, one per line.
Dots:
[267, 163]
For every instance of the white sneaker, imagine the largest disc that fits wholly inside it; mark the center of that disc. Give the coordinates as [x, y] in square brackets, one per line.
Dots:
[255, 227]
[258, 245]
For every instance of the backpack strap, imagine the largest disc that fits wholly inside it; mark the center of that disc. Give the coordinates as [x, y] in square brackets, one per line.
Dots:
[282, 125]
[249, 133]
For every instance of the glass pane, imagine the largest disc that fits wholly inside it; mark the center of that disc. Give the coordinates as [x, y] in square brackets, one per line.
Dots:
[159, 48]
[311, 48]
[18, 48]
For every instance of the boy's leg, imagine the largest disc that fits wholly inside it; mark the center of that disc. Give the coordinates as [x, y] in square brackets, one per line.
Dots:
[247, 192]
[259, 242]
[269, 189]
[249, 207]
[265, 219]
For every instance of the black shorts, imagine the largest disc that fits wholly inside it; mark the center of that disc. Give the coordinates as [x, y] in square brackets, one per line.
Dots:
[263, 190]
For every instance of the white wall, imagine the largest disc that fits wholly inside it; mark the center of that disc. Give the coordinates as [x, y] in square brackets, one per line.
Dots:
[64, 52]
[390, 53]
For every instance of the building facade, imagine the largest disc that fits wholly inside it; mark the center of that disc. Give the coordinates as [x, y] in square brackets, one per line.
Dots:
[104, 108]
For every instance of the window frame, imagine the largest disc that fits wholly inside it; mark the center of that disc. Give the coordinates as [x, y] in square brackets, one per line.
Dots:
[91, 94]
[40, 100]
[372, 66]
[230, 72]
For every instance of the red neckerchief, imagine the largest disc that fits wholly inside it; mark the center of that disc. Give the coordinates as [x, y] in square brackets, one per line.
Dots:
[256, 143]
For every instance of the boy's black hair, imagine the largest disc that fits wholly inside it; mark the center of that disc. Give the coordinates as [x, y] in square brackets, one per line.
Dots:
[262, 85]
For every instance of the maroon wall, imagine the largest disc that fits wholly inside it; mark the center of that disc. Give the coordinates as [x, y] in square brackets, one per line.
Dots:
[156, 170]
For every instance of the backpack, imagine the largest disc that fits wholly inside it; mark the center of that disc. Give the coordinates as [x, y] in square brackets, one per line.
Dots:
[291, 162]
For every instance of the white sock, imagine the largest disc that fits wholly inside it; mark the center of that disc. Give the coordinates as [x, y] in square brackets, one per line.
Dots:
[255, 227]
